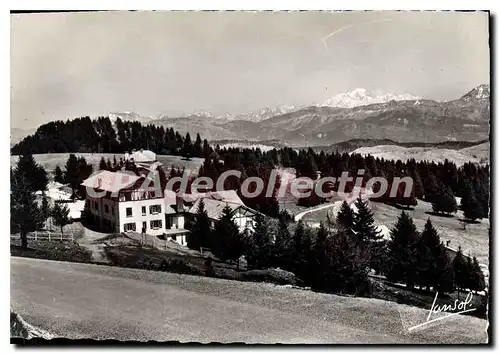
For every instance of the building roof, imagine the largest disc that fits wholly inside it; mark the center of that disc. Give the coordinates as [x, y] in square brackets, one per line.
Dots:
[228, 196]
[111, 181]
[141, 156]
[214, 207]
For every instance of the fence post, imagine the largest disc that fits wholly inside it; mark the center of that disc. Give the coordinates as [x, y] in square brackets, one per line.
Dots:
[36, 233]
[49, 236]
[61, 236]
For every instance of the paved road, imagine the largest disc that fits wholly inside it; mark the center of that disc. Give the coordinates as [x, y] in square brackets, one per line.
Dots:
[365, 194]
[89, 301]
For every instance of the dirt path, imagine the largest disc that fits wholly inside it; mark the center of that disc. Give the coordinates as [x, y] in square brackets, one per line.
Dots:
[89, 240]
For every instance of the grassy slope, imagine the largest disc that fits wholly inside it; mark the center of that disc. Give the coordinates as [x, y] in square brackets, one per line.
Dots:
[50, 161]
[473, 240]
[477, 154]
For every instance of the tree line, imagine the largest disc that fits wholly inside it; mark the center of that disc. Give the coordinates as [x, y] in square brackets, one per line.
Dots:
[338, 256]
[100, 135]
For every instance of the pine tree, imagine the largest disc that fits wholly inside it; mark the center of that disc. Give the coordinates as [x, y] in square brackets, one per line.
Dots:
[460, 271]
[200, 229]
[24, 211]
[320, 261]
[187, 149]
[45, 210]
[197, 147]
[258, 251]
[300, 251]
[60, 214]
[347, 267]
[478, 283]
[444, 278]
[58, 175]
[443, 200]
[86, 216]
[402, 254]
[428, 251]
[364, 224]
[228, 241]
[282, 242]
[102, 164]
[470, 206]
[71, 175]
[34, 176]
[345, 217]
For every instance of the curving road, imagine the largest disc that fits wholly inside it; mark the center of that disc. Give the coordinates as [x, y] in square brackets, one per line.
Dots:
[89, 301]
[365, 194]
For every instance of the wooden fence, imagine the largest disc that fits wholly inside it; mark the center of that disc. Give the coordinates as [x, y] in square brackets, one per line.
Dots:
[45, 235]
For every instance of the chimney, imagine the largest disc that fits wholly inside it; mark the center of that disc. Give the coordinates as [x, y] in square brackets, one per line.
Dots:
[179, 202]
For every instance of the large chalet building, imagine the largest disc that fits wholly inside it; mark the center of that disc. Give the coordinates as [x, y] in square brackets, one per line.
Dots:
[122, 202]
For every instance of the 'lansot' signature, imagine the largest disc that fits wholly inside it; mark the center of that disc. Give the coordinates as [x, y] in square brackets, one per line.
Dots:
[461, 306]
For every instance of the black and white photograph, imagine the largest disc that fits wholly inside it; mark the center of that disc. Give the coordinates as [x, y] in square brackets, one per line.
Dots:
[250, 177]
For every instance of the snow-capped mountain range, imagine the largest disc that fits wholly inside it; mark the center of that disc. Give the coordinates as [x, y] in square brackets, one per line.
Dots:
[362, 97]
[354, 98]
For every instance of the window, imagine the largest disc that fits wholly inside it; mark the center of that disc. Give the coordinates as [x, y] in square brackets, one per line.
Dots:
[169, 221]
[129, 227]
[113, 210]
[106, 208]
[155, 224]
[155, 209]
[143, 210]
[129, 212]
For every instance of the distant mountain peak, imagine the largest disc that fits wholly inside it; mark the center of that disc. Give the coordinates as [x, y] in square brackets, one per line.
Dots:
[481, 92]
[362, 97]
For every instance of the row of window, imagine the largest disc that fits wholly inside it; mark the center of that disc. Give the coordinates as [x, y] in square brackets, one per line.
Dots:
[153, 225]
[106, 208]
[153, 209]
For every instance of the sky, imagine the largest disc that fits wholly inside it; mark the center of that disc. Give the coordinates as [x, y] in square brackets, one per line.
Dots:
[67, 65]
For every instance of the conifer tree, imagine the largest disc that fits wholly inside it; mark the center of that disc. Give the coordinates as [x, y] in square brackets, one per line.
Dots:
[460, 271]
[443, 200]
[71, 175]
[58, 175]
[444, 280]
[402, 251]
[187, 149]
[478, 283]
[197, 147]
[428, 251]
[282, 242]
[300, 251]
[24, 210]
[228, 241]
[33, 175]
[345, 217]
[102, 164]
[60, 214]
[200, 229]
[470, 206]
[364, 224]
[320, 261]
[45, 210]
[258, 250]
[347, 269]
